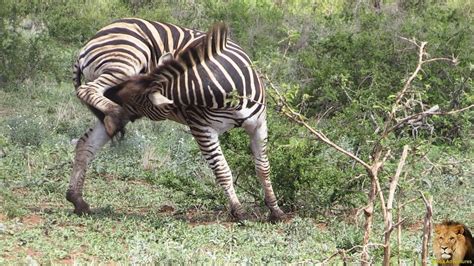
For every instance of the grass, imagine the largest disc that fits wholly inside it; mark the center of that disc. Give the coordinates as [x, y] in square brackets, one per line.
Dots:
[153, 198]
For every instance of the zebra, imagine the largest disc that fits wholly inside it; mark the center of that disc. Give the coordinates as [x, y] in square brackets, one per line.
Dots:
[206, 83]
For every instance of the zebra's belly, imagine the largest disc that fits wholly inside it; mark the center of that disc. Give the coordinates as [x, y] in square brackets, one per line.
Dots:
[221, 120]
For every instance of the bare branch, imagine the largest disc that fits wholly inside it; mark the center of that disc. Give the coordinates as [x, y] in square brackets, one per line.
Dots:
[430, 112]
[413, 41]
[396, 177]
[369, 217]
[451, 60]
[454, 111]
[397, 224]
[413, 118]
[408, 202]
[410, 79]
[426, 229]
[323, 115]
[388, 210]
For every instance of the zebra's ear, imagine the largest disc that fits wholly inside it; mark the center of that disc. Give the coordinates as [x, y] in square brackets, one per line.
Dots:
[165, 58]
[159, 100]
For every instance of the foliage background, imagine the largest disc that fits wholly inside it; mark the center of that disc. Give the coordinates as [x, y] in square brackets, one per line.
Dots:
[339, 62]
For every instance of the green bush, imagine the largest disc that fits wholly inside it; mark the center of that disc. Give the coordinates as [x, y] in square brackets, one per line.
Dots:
[27, 131]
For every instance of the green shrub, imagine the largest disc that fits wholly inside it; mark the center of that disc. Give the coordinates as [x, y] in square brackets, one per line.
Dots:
[27, 131]
[12, 206]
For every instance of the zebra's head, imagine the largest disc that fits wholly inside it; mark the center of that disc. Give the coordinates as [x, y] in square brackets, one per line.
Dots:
[141, 96]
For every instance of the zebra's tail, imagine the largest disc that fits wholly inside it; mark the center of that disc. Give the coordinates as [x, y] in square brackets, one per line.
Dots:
[76, 75]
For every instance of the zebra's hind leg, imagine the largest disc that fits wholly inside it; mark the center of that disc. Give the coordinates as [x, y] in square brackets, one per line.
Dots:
[208, 141]
[258, 142]
[86, 147]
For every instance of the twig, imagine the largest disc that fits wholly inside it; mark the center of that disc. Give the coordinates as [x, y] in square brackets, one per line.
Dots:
[397, 224]
[413, 118]
[430, 112]
[454, 111]
[408, 202]
[323, 115]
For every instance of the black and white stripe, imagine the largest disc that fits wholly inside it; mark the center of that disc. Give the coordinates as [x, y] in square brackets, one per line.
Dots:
[203, 80]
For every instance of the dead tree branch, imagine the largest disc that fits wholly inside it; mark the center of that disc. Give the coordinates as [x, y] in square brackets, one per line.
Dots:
[426, 228]
[388, 216]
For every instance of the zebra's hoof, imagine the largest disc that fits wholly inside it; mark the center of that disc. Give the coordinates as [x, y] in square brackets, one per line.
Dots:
[276, 216]
[82, 210]
[238, 214]
[80, 206]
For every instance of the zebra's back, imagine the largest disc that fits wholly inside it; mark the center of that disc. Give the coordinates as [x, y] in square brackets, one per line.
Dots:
[131, 46]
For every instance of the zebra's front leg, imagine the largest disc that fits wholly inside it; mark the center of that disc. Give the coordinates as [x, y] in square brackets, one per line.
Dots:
[208, 142]
[86, 147]
[258, 143]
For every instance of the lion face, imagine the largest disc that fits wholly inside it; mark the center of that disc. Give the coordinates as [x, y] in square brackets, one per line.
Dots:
[449, 242]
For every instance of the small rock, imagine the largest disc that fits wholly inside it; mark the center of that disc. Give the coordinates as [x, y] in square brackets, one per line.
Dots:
[31, 261]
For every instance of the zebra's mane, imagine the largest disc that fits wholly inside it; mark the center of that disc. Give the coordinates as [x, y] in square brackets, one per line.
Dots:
[197, 52]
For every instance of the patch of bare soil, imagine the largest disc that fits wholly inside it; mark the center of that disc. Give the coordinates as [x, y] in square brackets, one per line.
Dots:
[196, 217]
[32, 220]
[33, 253]
[20, 191]
[13, 254]
[321, 226]
[166, 209]
[207, 218]
[71, 258]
